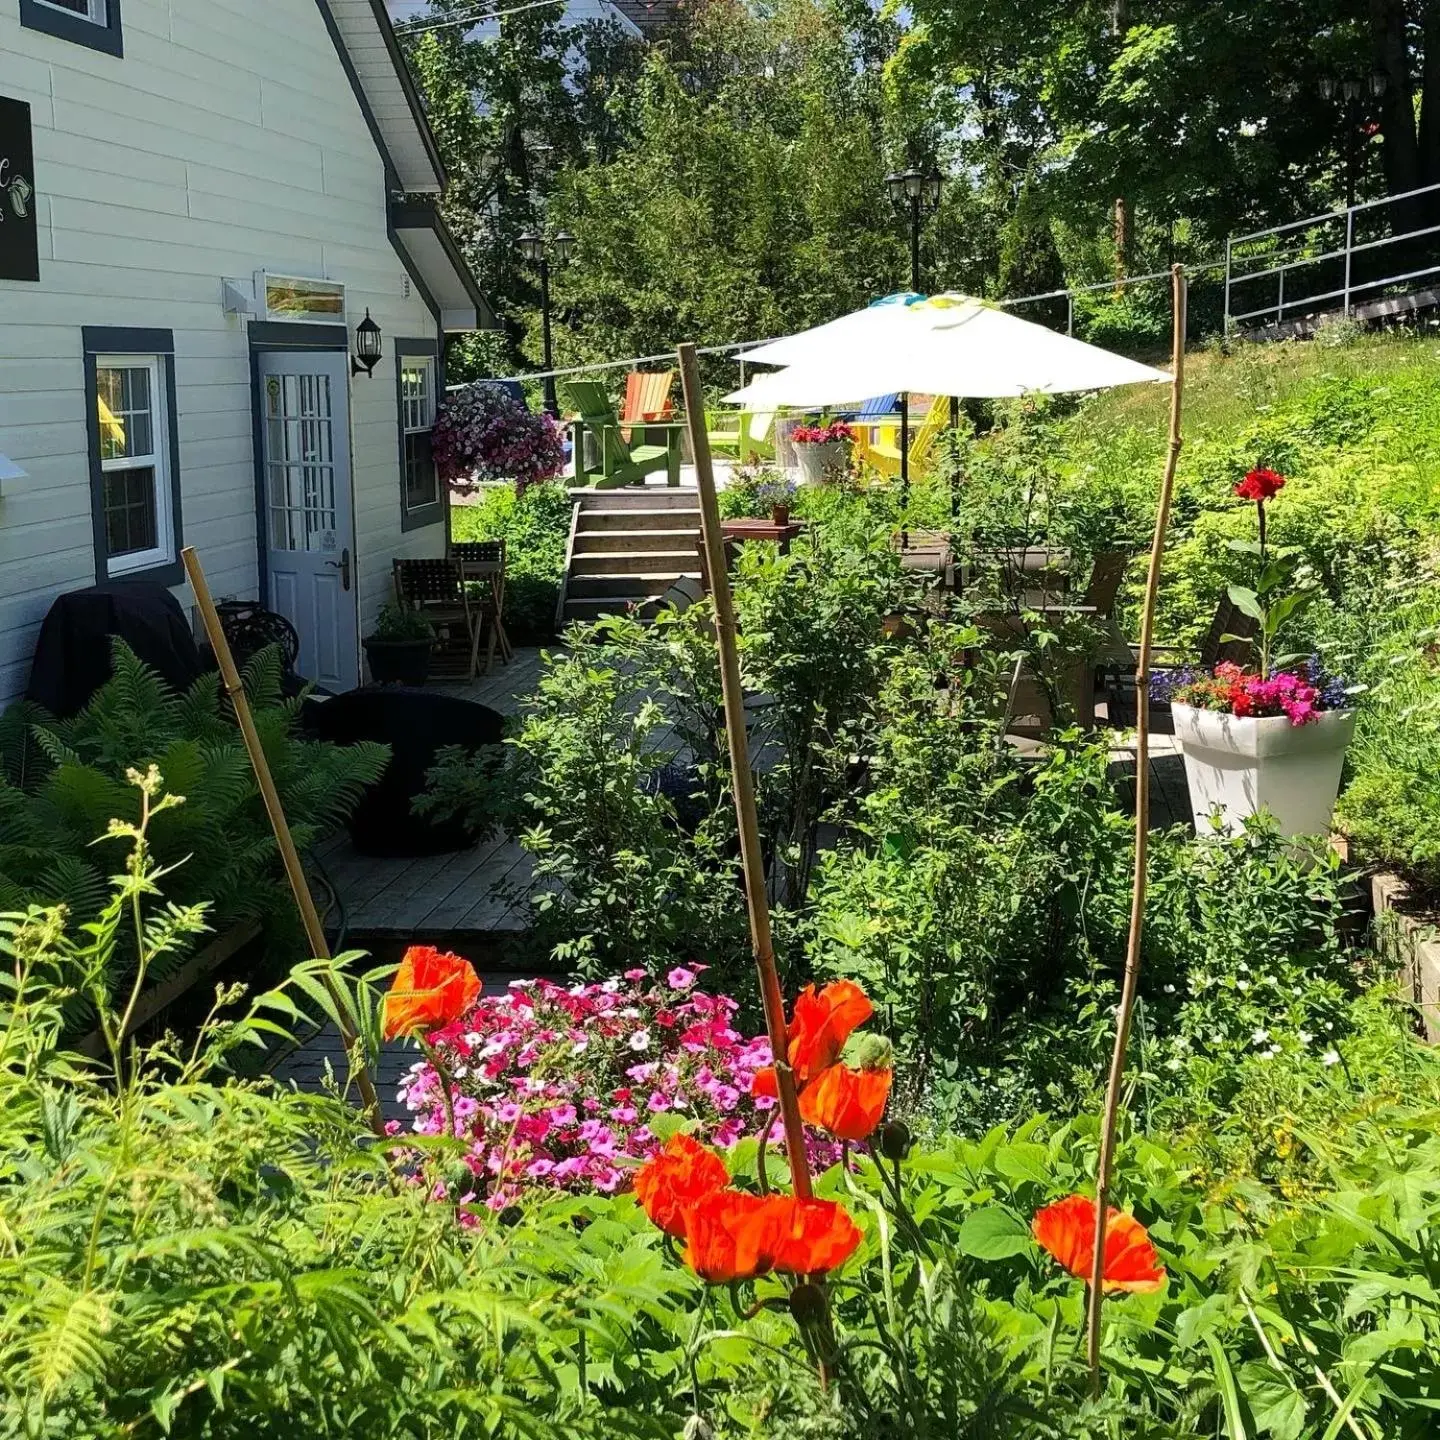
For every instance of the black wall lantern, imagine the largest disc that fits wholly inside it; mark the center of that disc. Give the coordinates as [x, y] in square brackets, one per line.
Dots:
[367, 346]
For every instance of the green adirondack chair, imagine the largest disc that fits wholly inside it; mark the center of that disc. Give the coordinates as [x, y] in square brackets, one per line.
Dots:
[620, 463]
[745, 434]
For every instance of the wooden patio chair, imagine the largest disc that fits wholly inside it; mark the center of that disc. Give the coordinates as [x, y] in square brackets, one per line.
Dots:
[620, 463]
[647, 401]
[436, 589]
[482, 564]
[883, 452]
[746, 434]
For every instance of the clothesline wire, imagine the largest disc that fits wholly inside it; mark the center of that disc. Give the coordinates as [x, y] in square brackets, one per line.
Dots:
[472, 17]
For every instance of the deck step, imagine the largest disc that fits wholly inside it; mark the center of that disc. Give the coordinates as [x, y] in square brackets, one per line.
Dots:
[639, 497]
[640, 518]
[632, 562]
[623, 585]
[595, 542]
[592, 607]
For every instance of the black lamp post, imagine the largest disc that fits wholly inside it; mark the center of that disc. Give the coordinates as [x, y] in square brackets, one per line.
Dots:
[1350, 89]
[918, 192]
[537, 249]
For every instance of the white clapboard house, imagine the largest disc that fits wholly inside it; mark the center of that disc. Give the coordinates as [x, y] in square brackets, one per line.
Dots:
[200, 203]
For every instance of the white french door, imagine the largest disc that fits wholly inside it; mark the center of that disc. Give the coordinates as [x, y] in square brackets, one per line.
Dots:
[309, 508]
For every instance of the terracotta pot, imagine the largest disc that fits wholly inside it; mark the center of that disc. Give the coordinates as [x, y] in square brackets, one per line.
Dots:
[1240, 764]
[779, 514]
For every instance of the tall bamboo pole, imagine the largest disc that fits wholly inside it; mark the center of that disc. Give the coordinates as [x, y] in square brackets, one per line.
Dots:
[1126, 1012]
[284, 841]
[751, 860]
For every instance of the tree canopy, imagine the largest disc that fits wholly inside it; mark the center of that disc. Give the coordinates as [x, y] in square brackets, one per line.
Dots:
[725, 179]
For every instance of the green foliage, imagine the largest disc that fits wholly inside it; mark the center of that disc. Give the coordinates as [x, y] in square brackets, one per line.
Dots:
[400, 622]
[66, 781]
[634, 851]
[535, 527]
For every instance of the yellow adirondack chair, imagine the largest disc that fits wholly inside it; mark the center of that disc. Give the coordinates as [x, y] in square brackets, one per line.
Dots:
[883, 452]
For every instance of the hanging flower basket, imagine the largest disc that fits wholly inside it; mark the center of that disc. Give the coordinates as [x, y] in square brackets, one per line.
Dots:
[484, 433]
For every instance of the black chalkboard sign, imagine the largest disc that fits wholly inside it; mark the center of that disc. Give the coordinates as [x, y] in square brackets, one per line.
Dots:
[19, 233]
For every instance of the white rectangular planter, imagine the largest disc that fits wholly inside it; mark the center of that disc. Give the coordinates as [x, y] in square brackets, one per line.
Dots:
[1241, 764]
[822, 461]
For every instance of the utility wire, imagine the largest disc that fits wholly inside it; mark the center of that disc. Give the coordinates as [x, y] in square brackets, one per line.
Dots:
[474, 17]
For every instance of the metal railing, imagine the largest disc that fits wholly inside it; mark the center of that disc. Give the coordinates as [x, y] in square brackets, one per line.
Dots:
[1335, 267]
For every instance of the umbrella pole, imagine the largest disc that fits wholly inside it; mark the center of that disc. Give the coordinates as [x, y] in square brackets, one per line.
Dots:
[1126, 1010]
[905, 471]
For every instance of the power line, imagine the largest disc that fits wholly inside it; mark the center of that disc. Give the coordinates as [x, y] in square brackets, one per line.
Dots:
[473, 17]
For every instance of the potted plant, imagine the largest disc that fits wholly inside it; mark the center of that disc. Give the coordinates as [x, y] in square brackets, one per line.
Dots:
[485, 433]
[776, 492]
[823, 450]
[1274, 737]
[399, 647]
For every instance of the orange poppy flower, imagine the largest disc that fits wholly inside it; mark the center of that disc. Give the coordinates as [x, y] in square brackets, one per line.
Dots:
[812, 1237]
[1067, 1230]
[848, 1103]
[430, 989]
[820, 1025]
[731, 1235]
[679, 1175]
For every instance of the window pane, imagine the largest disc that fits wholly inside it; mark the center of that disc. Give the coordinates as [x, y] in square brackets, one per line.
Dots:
[421, 483]
[125, 409]
[95, 10]
[416, 394]
[131, 523]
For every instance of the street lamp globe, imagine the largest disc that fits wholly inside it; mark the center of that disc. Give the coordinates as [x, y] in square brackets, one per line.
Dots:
[932, 190]
[531, 246]
[564, 244]
[1326, 85]
[895, 187]
[1378, 81]
[914, 184]
[1350, 88]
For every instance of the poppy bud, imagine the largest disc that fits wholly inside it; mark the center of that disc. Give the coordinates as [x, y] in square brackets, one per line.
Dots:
[894, 1140]
[870, 1052]
[807, 1304]
[697, 1428]
[511, 1215]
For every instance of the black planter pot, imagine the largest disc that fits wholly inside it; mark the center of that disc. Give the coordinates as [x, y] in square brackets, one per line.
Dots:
[398, 662]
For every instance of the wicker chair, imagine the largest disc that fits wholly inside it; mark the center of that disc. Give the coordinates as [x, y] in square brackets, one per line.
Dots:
[437, 589]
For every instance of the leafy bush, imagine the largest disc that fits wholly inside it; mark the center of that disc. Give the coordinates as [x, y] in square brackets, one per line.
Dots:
[635, 854]
[192, 1255]
[535, 526]
[65, 780]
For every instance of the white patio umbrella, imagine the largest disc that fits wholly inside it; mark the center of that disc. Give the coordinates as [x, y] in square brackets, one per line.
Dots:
[946, 345]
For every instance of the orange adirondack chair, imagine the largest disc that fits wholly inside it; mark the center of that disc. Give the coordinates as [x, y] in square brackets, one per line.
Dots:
[647, 399]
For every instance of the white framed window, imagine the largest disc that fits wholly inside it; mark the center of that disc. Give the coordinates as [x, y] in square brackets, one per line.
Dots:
[421, 484]
[97, 12]
[135, 519]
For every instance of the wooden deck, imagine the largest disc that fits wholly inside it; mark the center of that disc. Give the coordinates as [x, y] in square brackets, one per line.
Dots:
[473, 899]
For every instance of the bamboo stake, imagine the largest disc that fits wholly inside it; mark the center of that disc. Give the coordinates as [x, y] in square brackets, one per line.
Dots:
[1126, 1011]
[290, 857]
[757, 901]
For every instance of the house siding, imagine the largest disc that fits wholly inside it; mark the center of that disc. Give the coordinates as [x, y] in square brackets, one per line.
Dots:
[217, 146]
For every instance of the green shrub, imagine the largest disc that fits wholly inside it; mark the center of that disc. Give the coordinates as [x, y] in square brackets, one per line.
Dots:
[536, 528]
[65, 780]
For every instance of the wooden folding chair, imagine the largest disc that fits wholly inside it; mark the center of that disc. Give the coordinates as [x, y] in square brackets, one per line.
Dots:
[436, 588]
[482, 563]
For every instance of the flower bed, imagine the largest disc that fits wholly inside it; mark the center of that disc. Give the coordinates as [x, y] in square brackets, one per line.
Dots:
[570, 1087]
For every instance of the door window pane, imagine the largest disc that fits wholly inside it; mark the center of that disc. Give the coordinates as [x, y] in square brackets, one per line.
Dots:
[300, 463]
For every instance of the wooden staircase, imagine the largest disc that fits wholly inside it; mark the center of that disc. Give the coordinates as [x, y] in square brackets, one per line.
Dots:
[628, 547]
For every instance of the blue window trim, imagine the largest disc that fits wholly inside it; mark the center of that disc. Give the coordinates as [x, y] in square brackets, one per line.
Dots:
[106, 38]
[126, 340]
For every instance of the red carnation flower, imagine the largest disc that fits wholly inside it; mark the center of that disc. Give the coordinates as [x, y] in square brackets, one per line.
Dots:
[1261, 485]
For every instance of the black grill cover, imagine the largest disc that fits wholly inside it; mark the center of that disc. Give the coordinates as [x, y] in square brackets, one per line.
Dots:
[72, 655]
[415, 724]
